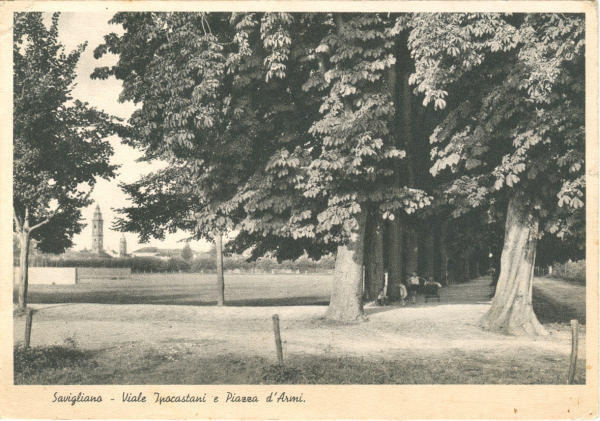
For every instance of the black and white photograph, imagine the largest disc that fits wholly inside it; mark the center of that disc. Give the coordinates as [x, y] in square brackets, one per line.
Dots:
[285, 198]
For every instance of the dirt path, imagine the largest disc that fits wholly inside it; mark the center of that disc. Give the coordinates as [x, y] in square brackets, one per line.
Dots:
[125, 337]
[390, 330]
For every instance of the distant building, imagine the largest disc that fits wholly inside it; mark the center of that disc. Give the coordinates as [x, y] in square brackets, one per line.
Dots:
[149, 252]
[97, 232]
[123, 247]
[159, 253]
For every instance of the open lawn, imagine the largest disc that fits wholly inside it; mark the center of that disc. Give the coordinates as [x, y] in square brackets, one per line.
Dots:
[143, 343]
[191, 289]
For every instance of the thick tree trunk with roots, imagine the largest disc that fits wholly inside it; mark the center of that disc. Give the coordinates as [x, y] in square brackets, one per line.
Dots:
[220, 278]
[395, 259]
[374, 271]
[512, 311]
[23, 269]
[346, 303]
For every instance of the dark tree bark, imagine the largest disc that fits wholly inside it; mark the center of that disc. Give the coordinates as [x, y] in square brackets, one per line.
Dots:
[395, 258]
[411, 250]
[512, 311]
[443, 246]
[428, 252]
[374, 271]
[346, 303]
[466, 267]
[220, 278]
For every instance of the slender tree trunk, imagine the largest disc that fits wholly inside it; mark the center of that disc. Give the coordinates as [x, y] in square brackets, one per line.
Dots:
[346, 294]
[395, 259]
[23, 268]
[512, 311]
[467, 267]
[411, 248]
[411, 251]
[220, 278]
[395, 227]
[444, 252]
[374, 272]
[428, 252]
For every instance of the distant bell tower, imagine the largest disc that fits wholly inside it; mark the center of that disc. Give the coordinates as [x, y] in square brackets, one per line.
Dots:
[97, 232]
[123, 247]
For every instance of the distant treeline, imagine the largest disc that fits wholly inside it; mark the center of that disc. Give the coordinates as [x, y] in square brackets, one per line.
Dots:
[178, 264]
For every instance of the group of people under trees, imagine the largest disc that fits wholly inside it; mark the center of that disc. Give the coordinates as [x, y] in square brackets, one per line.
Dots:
[413, 286]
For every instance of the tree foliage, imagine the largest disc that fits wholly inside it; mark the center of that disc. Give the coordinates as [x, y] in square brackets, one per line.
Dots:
[513, 91]
[59, 149]
[288, 128]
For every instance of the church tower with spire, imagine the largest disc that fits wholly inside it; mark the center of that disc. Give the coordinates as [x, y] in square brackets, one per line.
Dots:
[123, 247]
[97, 232]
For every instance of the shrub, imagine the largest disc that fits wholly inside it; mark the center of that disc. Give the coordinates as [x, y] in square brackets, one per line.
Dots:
[32, 365]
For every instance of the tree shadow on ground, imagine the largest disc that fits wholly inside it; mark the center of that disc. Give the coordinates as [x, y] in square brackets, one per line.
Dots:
[548, 310]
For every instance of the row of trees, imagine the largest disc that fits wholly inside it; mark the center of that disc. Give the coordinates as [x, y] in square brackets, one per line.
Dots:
[333, 132]
[198, 264]
[396, 141]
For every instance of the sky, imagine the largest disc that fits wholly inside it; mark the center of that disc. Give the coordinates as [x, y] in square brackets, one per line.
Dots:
[74, 29]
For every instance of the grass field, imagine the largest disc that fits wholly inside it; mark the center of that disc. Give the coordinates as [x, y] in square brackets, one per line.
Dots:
[191, 289]
[112, 332]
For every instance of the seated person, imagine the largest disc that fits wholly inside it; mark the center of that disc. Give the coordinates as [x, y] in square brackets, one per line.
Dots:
[413, 283]
[431, 282]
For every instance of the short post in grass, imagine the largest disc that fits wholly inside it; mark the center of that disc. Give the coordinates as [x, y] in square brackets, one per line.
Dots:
[574, 347]
[28, 322]
[277, 339]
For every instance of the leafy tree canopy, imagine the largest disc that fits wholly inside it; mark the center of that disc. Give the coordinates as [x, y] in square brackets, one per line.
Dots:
[512, 87]
[59, 146]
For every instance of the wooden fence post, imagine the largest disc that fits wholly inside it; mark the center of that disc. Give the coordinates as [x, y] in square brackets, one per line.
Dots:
[277, 339]
[28, 322]
[574, 346]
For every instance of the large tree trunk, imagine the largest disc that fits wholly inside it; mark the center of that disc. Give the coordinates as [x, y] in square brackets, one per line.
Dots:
[374, 271]
[220, 278]
[346, 294]
[23, 268]
[512, 311]
[395, 259]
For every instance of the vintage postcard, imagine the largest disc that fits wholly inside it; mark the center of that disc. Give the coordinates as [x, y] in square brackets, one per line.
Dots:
[299, 210]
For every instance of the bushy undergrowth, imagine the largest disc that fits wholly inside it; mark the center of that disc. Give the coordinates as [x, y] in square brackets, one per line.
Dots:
[570, 271]
[47, 364]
